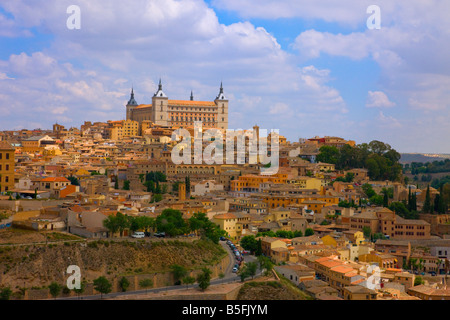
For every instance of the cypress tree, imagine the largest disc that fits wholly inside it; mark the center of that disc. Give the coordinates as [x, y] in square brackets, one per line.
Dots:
[441, 208]
[427, 207]
[409, 200]
[385, 200]
[413, 202]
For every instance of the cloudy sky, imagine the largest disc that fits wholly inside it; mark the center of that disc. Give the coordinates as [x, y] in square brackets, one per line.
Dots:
[307, 68]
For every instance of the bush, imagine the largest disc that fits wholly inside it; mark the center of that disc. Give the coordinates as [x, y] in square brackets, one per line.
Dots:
[93, 244]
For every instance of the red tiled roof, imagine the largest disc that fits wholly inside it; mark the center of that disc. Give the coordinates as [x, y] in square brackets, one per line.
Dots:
[55, 179]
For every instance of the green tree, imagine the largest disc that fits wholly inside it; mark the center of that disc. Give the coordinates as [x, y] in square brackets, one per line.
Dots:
[367, 232]
[252, 267]
[5, 293]
[79, 291]
[204, 279]
[157, 197]
[244, 272]
[188, 280]
[418, 281]
[368, 190]
[179, 272]
[126, 185]
[249, 243]
[385, 200]
[122, 222]
[201, 224]
[309, 232]
[258, 251]
[378, 147]
[102, 285]
[116, 183]
[373, 169]
[187, 182]
[439, 201]
[73, 180]
[146, 283]
[266, 264]
[124, 284]
[377, 200]
[427, 207]
[55, 289]
[328, 154]
[111, 223]
[400, 209]
[172, 223]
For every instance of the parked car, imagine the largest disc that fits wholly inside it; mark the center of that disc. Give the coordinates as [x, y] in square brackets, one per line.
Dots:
[433, 273]
[138, 235]
[160, 234]
[222, 239]
[235, 270]
[245, 252]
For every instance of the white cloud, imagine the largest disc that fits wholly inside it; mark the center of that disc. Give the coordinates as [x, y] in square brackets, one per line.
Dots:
[312, 43]
[4, 76]
[378, 99]
[388, 121]
[138, 42]
[280, 109]
[183, 42]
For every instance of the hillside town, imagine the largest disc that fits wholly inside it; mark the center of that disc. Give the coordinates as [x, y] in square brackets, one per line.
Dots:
[336, 228]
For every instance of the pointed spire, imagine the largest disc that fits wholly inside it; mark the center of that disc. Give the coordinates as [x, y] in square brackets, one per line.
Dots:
[192, 96]
[132, 101]
[221, 96]
[160, 92]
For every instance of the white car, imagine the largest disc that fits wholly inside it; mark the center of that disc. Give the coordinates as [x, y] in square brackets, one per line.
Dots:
[138, 235]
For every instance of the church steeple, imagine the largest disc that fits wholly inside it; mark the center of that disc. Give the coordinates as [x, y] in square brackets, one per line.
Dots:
[192, 96]
[160, 93]
[132, 101]
[221, 96]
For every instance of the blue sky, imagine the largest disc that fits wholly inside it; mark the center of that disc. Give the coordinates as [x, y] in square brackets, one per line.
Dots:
[305, 68]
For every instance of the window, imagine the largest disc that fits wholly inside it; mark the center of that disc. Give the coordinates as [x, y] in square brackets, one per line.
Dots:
[7, 156]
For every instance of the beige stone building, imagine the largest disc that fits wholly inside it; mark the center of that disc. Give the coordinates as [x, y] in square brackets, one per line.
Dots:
[6, 166]
[180, 113]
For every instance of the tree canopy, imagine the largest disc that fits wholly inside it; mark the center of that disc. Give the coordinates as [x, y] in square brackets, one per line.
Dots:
[378, 157]
[172, 223]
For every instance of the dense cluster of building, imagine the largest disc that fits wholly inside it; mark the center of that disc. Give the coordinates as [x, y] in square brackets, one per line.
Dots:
[73, 179]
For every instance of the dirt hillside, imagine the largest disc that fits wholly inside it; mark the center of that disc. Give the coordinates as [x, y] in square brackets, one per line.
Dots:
[39, 265]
